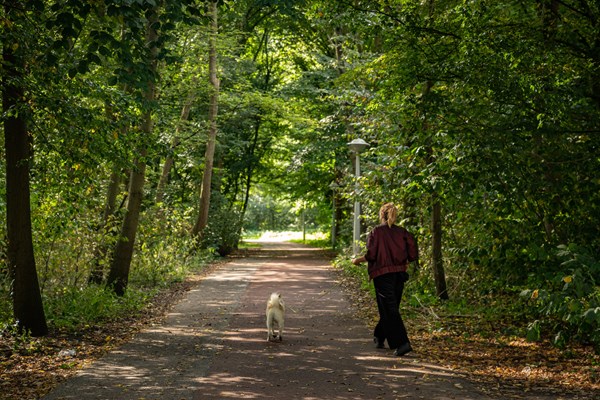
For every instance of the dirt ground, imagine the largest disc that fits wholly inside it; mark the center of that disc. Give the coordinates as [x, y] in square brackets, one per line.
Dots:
[212, 345]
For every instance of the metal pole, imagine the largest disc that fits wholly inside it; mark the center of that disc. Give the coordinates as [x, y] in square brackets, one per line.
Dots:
[357, 146]
[333, 233]
[303, 224]
[356, 235]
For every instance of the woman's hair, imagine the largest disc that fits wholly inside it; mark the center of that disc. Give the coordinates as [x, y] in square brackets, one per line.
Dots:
[388, 213]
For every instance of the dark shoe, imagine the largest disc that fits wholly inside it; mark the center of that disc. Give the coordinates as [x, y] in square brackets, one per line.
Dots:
[403, 349]
[379, 343]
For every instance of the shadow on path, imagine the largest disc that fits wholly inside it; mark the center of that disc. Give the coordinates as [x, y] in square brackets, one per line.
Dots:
[213, 344]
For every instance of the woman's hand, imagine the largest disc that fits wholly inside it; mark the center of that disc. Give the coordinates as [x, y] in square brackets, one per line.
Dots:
[359, 260]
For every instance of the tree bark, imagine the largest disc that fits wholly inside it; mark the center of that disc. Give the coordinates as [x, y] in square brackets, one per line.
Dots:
[118, 276]
[436, 223]
[121, 262]
[27, 300]
[101, 250]
[437, 259]
[202, 220]
[250, 167]
[169, 161]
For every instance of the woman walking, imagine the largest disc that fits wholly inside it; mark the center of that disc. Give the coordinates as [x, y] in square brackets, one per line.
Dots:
[390, 248]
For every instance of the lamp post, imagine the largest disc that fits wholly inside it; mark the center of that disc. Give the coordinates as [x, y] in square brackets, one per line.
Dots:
[357, 146]
[333, 186]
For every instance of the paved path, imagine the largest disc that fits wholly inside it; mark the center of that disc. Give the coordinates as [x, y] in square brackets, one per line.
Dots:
[213, 345]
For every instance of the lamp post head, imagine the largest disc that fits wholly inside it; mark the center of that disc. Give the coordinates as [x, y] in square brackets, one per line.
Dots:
[358, 145]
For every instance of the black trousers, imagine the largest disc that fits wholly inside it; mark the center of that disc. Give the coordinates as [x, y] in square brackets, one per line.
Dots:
[389, 288]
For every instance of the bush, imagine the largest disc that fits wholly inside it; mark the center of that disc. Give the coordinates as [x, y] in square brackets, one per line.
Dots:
[570, 304]
[356, 271]
[6, 306]
[74, 308]
[163, 262]
[222, 234]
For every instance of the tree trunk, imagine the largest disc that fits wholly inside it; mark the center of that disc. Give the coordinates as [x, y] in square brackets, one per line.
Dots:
[436, 223]
[27, 300]
[202, 220]
[101, 250]
[339, 51]
[250, 167]
[164, 177]
[123, 253]
[437, 259]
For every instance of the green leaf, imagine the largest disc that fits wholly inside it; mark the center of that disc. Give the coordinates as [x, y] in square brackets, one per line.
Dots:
[533, 331]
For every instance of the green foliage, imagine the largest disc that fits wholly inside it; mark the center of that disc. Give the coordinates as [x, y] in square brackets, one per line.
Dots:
[267, 212]
[491, 107]
[511, 155]
[315, 240]
[73, 308]
[223, 231]
[568, 303]
[357, 272]
[20, 340]
[77, 304]
[160, 261]
[6, 311]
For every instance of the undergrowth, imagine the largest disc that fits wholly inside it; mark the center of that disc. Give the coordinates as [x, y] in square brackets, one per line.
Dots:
[70, 307]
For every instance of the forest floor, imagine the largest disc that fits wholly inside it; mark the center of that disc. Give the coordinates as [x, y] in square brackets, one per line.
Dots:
[326, 352]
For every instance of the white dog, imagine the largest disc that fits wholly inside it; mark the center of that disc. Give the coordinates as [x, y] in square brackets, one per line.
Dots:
[275, 316]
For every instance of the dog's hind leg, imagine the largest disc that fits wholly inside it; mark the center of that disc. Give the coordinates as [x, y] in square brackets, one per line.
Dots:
[280, 325]
[269, 327]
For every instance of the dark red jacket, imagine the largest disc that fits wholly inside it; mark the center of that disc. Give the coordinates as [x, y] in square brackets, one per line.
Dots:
[390, 250]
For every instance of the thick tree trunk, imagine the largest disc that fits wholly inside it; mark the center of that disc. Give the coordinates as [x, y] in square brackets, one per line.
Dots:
[202, 220]
[121, 261]
[27, 300]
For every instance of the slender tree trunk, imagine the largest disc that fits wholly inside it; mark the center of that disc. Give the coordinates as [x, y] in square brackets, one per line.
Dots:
[121, 261]
[339, 51]
[437, 259]
[436, 225]
[251, 153]
[436, 205]
[118, 276]
[202, 220]
[250, 168]
[101, 250]
[164, 176]
[27, 300]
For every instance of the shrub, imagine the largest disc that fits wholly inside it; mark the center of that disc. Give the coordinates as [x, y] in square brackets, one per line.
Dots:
[74, 308]
[6, 310]
[222, 234]
[357, 272]
[570, 304]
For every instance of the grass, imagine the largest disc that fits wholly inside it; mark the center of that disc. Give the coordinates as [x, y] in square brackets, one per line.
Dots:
[248, 245]
[72, 309]
[313, 239]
